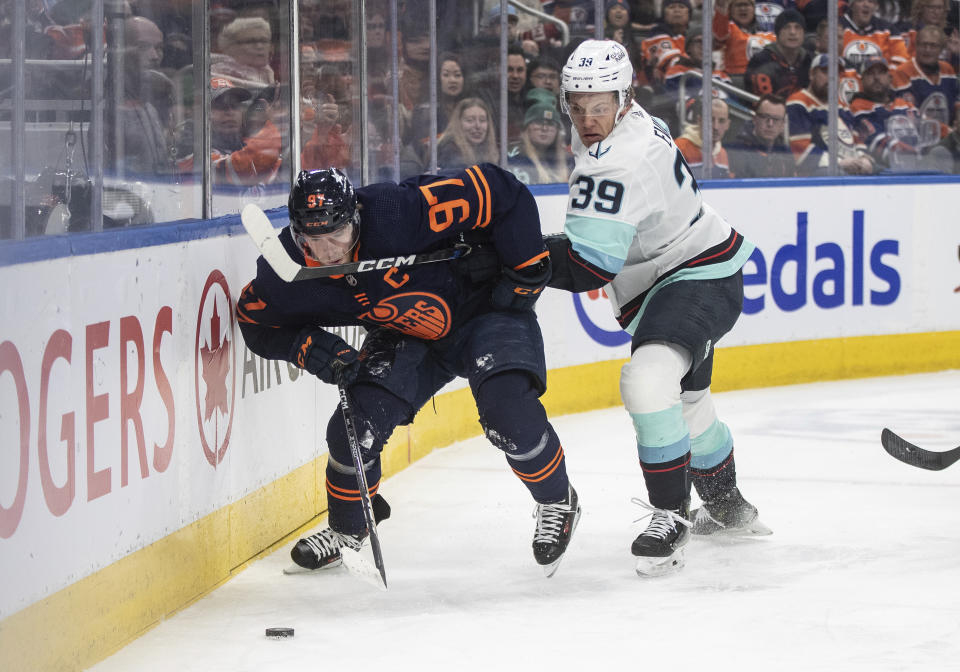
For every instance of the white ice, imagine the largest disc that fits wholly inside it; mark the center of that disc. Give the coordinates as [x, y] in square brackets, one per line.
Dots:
[862, 571]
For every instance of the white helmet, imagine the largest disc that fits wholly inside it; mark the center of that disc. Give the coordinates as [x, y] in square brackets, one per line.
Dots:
[597, 65]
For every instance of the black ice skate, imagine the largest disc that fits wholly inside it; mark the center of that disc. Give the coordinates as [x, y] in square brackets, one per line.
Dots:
[728, 514]
[555, 526]
[322, 550]
[659, 548]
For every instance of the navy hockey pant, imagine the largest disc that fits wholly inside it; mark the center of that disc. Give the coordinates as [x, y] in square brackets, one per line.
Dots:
[510, 413]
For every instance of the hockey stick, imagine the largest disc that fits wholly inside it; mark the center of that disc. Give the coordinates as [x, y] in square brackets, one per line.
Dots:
[258, 225]
[916, 456]
[361, 482]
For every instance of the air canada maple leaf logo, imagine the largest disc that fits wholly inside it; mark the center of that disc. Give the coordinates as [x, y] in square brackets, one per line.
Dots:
[215, 374]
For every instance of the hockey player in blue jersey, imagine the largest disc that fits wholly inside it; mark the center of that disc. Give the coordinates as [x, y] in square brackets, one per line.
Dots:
[636, 224]
[427, 324]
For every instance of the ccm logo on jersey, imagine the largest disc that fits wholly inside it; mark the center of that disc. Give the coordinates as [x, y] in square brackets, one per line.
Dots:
[386, 262]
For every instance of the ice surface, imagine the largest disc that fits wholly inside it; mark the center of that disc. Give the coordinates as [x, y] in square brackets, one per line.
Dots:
[862, 571]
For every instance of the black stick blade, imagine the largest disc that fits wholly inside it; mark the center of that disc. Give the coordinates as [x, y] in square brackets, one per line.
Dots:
[916, 456]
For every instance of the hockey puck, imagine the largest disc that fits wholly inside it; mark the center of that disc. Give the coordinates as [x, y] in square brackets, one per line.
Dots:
[278, 633]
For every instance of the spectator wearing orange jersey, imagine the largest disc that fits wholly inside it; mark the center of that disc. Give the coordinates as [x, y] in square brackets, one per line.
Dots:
[692, 60]
[666, 41]
[865, 36]
[239, 156]
[849, 83]
[690, 143]
[737, 34]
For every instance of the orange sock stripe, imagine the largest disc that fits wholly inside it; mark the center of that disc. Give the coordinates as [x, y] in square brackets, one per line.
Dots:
[349, 495]
[544, 473]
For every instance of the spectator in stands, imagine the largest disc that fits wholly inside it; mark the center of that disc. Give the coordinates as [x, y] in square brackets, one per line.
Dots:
[325, 145]
[378, 46]
[783, 66]
[246, 45]
[616, 15]
[544, 74]
[865, 36]
[666, 41]
[242, 154]
[759, 150]
[808, 115]
[492, 25]
[450, 91]
[738, 35]
[953, 48]
[691, 61]
[923, 13]
[926, 81]
[147, 98]
[849, 82]
[540, 156]
[888, 125]
[414, 70]
[690, 143]
[37, 43]
[619, 27]
[487, 86]
[469, 137]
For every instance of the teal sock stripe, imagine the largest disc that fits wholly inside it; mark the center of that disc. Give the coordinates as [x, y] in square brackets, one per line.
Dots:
[658, 454]
[712, 447]
[661, 436]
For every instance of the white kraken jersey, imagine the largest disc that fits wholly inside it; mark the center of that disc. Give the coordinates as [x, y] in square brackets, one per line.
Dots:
[635, 211]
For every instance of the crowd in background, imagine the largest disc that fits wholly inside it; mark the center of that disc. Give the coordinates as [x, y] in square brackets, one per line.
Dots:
[898, 93]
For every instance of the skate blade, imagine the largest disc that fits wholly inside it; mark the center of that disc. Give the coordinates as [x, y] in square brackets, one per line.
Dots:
[709, 528]
[551, 569]
[648, 567]
[297, 569]
[361, 565]
[705, 526]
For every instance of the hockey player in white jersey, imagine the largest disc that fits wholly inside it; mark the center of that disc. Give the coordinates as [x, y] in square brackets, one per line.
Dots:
[636, 224]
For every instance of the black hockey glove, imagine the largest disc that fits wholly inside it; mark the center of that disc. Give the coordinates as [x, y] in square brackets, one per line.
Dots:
[519, 290]
[326, 356]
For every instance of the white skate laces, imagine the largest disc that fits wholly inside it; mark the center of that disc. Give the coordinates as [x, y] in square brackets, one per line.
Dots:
[663, 521]
[328, 542]
[550, 521]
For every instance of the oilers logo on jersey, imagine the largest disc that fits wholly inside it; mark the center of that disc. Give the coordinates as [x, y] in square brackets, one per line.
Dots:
[858, 51]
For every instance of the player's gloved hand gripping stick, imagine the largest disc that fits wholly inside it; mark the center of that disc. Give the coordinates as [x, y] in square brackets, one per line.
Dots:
[519, 290]
[325, 355]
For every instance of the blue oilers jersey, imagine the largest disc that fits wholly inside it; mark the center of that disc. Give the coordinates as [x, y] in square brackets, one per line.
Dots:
[485, 203]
